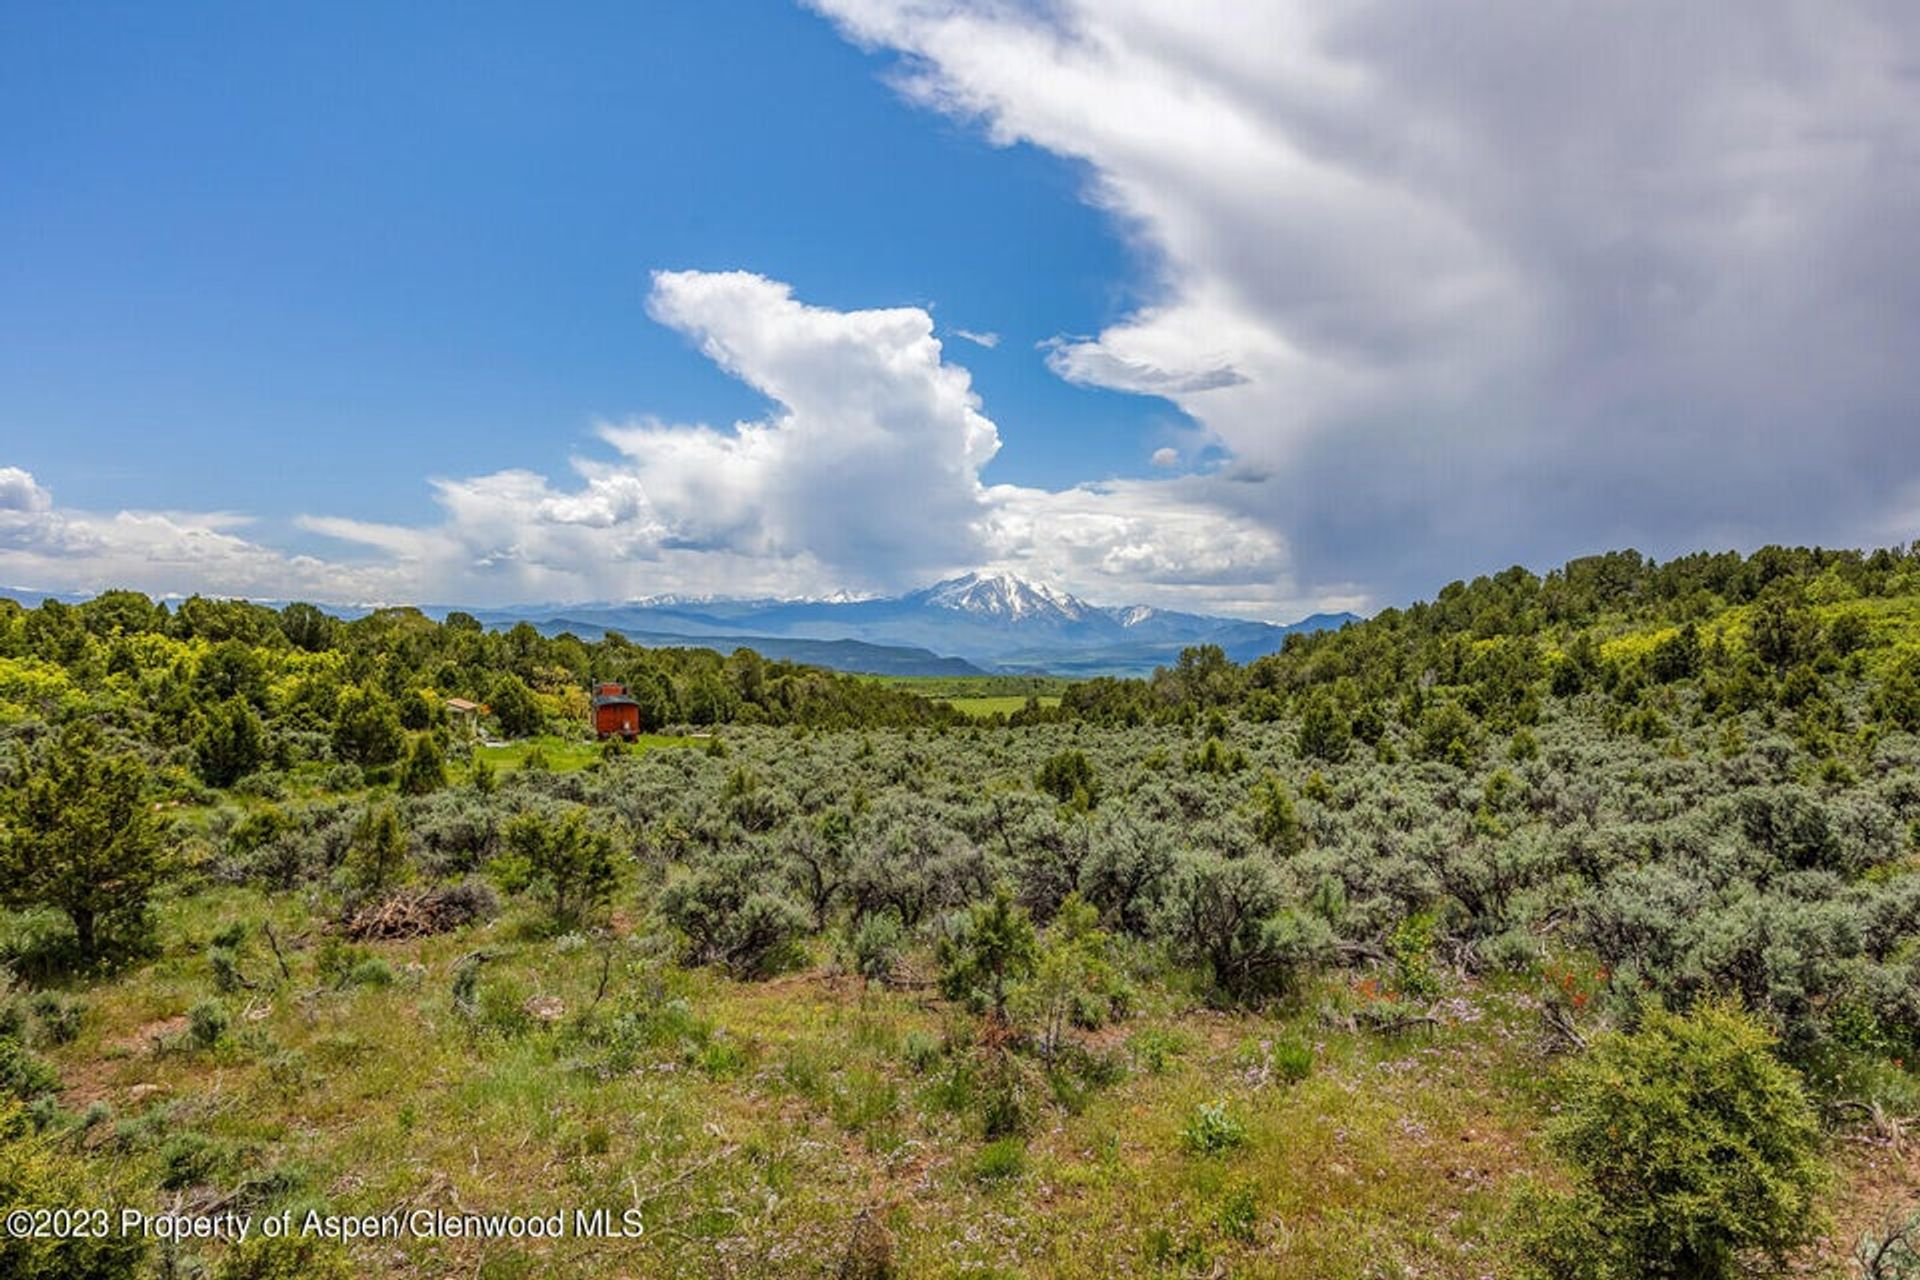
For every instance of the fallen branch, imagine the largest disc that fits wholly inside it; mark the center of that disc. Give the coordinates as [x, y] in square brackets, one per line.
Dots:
[1561, 1033]
[273, 941]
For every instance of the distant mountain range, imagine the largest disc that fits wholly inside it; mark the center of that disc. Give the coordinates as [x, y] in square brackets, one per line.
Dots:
[978, 623]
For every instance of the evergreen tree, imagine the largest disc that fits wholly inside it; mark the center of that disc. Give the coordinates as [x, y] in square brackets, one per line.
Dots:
[76, 834]
[1325, 732]
[365, 729]
[993, 947]
[425, 769]
[515, 707]
[377, 850]
[230, 745]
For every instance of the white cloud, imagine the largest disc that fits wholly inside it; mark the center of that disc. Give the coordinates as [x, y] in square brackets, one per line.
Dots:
[1459, 285]
[21, 496]
[167, 552]
[989, 339]
[1148, 541]
[1166, 457]
[866, 476]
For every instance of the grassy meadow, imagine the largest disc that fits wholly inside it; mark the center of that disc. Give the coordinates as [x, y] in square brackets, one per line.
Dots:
[1492, 937]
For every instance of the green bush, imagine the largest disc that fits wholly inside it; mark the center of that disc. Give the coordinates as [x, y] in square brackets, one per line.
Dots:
[1213, 1129]
[24, 1075]
[876, 947]
[230, 745]
[37, 1170]
[989, 948]
[728, 921]
[288, 1258]
[1230, 915]
[76, 833]
[1069, 778]
[571, 863]
[1694, 1155]
[207, 1023]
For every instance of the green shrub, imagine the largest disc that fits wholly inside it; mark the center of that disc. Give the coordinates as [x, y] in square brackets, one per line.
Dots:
[1287, 1060]
[225, 966]
[1238, 1215]
[296, 1257]
[77, 833]
[876, 947]
[921, 1051]
[58, 1016]
[188, 1158]
[1069, 778]
[371, 972]
[1694, 1154]
[1213, 1129]
[1229, 915]
[1292, 1060]
[1155, 1049]
[1004, 1094]
[728, 921]
[39, 1170]
[425, 770]
[377, 850]
[207, 1023]
[572, 863]
[230, 745]
[987, 949]
[1325, 731]
[24, 1076]
[1411, 946]
[336, 960]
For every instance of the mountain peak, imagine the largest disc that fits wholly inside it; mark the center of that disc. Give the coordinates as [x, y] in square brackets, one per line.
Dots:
[1003, 595]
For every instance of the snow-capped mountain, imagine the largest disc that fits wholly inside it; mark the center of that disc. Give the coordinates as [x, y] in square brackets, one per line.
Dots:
[989, 621]
[1002, 595]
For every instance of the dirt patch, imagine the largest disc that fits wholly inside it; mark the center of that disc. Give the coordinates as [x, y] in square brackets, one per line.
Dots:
[149, 1037]
[1875, 1180]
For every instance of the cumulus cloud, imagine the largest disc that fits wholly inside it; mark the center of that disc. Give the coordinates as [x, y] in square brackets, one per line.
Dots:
[1459, 286]
[865, 477]
[21, 495]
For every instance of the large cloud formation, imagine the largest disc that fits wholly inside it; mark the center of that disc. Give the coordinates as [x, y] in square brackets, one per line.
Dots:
[866, 476]
[1462, 285]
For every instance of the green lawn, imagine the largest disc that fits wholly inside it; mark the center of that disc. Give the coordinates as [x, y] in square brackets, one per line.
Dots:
[998, 705]
[566, 754]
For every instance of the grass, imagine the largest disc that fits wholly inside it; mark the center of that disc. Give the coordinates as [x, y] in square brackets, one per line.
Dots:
[1004, 705]
[953, 687]
[564, 755]
[752, 1122]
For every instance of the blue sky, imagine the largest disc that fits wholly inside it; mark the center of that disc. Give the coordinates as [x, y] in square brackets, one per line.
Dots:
[327, 250]
[1297, 306]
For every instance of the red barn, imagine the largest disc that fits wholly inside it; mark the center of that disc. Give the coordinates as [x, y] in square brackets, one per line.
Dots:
[615, 715]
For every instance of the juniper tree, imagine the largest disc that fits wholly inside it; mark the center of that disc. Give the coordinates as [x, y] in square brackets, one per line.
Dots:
[76, 834]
